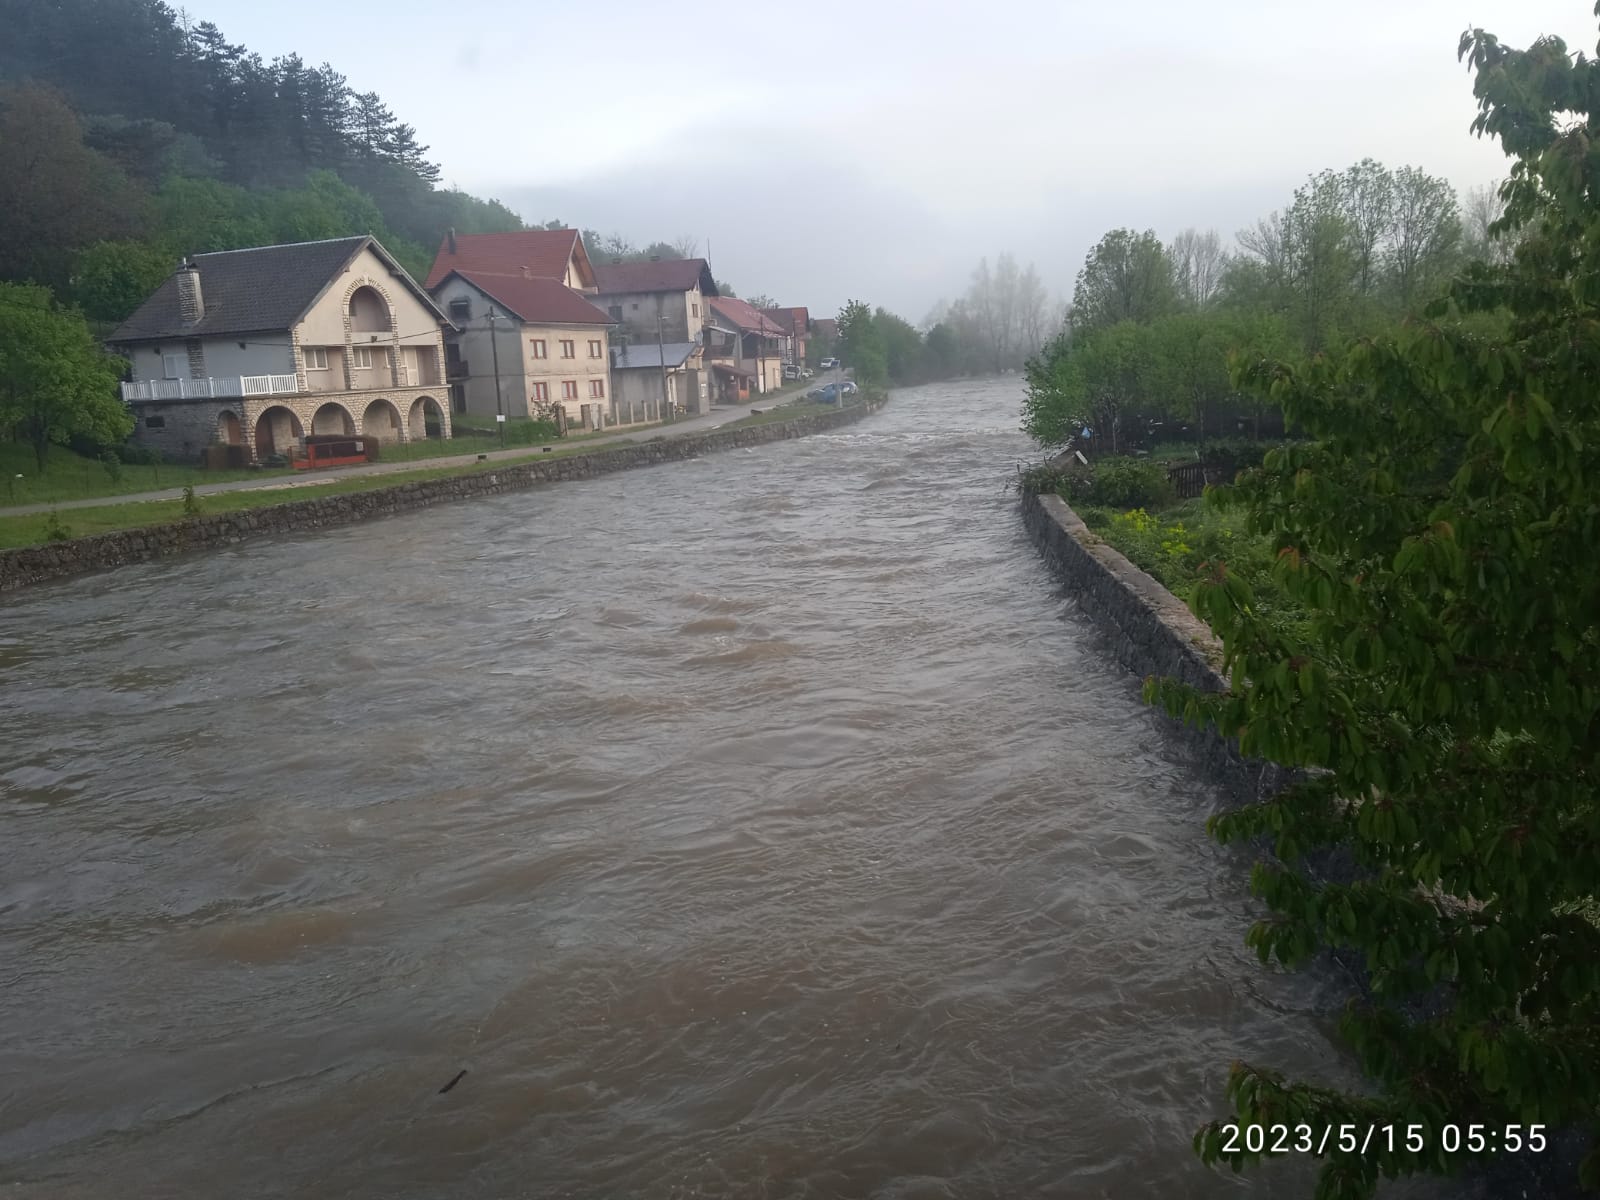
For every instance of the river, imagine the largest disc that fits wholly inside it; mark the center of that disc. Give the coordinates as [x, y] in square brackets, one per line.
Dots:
[767, 825]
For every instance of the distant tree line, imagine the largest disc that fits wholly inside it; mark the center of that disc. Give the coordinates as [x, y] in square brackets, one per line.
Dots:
[1147, 337]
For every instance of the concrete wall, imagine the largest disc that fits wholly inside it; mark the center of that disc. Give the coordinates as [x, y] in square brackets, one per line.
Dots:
[1149, 631]
[36, 564]
[183, 428]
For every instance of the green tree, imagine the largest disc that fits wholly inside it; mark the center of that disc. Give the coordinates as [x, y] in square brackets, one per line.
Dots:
[1444, 693]
[111, 279]
[57, 195]
[861, 345]
[55, 381]
[1095, 378]
[1128, 276]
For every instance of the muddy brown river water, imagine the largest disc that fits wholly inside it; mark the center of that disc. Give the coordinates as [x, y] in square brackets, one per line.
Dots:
[767, 825]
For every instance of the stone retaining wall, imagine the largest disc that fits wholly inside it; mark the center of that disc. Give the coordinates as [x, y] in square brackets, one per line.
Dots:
[1151, 632]
[35, 564]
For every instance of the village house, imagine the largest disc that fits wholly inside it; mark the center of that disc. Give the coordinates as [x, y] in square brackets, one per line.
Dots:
[796, 323]
[260, 348]
[744, 350]
[530, 338]
[525, 346]
[644, 374]
[661, 303]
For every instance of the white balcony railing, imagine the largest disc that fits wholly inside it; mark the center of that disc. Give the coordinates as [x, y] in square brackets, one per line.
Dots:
[223, 387]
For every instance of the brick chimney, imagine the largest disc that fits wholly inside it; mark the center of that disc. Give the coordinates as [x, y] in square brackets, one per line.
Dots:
[191, 304]
[452, 240]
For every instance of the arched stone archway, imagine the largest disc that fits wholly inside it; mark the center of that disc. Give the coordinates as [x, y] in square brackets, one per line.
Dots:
[229, 432]
[277, 432]
[382, 421]
[426, 419]
[333, 418]
[369, 311]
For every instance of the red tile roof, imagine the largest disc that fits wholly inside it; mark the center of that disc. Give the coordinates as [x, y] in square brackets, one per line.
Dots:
[668, 275]
[796, 321]
[745, 318]
[536, 301]
[544, 252]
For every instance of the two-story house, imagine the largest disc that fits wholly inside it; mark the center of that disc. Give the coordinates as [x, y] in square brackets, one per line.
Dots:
[529, 338]
[262, 347]
[744, 349]
[796, 323]
[657, 307]
[525, 345]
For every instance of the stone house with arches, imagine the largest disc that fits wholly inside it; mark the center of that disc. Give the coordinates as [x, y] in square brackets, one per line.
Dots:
[260, 348]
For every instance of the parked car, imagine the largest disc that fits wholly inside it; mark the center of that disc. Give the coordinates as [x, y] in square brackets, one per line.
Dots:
[848, 387]
[790, 371]
[807, 373]
[828, 393]
[828, 364]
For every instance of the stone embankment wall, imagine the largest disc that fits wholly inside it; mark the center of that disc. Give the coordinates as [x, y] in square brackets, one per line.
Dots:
[1151, 631]
[35, 564]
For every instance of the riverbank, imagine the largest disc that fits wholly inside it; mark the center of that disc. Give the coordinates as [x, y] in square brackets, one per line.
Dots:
[346, 502]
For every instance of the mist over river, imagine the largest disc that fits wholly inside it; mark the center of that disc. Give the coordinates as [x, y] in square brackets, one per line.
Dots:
[766, 825]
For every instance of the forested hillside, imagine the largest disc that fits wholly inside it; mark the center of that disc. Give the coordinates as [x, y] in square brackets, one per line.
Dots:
[130, 137]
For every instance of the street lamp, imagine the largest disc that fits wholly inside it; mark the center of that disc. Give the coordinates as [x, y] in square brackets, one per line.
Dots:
[494, 350]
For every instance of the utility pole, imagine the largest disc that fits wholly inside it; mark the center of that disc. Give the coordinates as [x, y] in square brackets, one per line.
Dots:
[661, 353]
[494, 350]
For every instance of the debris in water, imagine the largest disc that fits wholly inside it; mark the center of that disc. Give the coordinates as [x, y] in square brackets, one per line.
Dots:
[460, 1075]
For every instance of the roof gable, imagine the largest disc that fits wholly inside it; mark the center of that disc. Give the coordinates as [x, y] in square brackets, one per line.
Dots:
[666, 275]
[533, 300]
[264, 289]
[546, 253]
[746, 318]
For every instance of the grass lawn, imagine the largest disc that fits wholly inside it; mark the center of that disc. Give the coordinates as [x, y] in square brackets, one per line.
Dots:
[68, 476]
[35, 529]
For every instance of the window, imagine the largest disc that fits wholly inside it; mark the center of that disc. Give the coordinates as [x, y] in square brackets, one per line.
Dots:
[635, 306]
[569, 390]
[316, 358]
[175, 366]
[461, 309]
[569, 348]
[597, 389]
[155, 422]
[594, 348]
[616, 312]
[697, 308]
[363, 358]
[541, 391]
[540, 350]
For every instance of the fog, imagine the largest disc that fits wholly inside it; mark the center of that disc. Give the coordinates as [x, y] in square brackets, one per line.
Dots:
[856, 150]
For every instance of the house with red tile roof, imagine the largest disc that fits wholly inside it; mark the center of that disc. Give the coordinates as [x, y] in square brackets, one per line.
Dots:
[526, 345]
[544, 253]
[796, 322]
[662, 302]
[744, 348]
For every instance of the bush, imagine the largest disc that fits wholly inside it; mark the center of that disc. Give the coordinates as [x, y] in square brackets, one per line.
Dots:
[1121, 483]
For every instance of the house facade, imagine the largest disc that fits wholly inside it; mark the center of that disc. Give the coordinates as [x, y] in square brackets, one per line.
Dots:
[261, 348]
[652, 380]
[663, 303]
[744, 349]
[524, 346]
[796, 322]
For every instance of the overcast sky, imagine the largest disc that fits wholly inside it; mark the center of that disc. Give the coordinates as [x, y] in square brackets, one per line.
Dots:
[857, 149]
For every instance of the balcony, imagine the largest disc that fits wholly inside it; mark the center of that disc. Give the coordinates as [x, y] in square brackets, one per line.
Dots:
[228, 387]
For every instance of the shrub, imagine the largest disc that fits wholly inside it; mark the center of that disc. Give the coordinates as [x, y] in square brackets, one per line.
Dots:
[112, 464]
[54, 530]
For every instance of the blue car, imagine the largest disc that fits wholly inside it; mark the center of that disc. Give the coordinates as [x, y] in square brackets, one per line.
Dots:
[827, 394]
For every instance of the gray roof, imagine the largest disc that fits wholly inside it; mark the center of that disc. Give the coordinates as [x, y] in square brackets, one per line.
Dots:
[648, 354]
[266, 289]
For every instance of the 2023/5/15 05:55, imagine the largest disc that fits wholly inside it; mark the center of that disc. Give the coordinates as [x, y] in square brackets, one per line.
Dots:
[1361, 1139]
